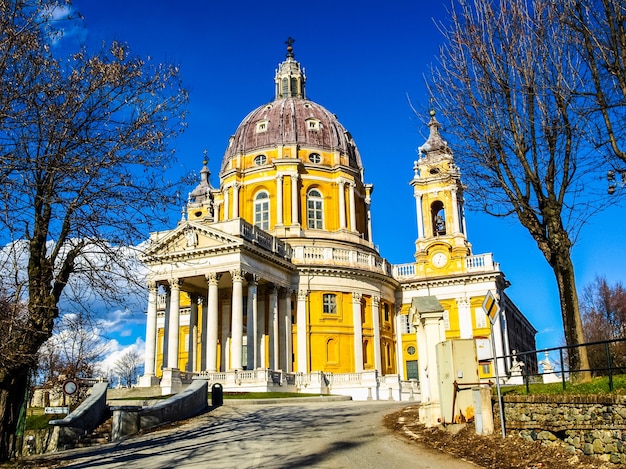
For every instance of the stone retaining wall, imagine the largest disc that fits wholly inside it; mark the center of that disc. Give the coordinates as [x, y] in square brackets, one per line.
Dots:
[594, 425]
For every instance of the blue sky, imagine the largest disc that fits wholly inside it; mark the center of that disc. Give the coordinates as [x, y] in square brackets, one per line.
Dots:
[362, 60]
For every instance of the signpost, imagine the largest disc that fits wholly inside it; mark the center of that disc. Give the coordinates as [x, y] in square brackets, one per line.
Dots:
[492, 310]
[57, 410]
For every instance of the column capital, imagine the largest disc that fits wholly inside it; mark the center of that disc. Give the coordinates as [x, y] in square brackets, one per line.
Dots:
[376, 301]
[273, 289]
[152, 285]
[280, 177]
[356, 297]
[175, 283]
[253, 279]
[213, 278]
[294, 177]
[237, 275]
[302, 294]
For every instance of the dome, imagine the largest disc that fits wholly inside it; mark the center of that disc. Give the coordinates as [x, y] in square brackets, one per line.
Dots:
[292, 120]
[289, 121]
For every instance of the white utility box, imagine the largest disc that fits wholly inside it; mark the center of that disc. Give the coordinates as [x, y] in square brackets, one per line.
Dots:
[457, 362]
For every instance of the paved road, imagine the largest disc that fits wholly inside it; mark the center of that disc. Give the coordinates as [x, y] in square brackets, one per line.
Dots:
[313, 435]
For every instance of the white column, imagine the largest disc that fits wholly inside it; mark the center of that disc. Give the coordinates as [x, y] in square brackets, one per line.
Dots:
[237, 320]
[301, 329]
[369, 220]
[211, 313]
[252, 363]
[236, 187]
[166, 326]
[261, 334]
[226, 203]
[279, 199]
[274, 337]
[285, 330]
[358, 332]
[376, 326]
[202, 333]
[399, 347]
[342, 204]
[294, 199]
[351, 187]
[191, 338]
[420, 218]
[455, 213]
[225, 339]
[173, 334]
[149, 377]
[465, 318]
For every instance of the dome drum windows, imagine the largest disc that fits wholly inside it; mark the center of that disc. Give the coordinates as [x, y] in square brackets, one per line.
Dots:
[262, 210]
[260, 160]
[315, 158]
[315, 210]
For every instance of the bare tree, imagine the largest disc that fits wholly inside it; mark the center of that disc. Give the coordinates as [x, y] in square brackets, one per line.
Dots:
[603, 309]
[598, 30]
[73, 350]
[84, 149]
[127, 367]
[507, 81]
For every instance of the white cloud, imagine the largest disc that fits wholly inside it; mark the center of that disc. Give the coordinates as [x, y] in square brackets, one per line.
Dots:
[114, 352]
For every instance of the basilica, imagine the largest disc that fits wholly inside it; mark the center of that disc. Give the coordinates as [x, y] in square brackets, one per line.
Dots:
[271, 281]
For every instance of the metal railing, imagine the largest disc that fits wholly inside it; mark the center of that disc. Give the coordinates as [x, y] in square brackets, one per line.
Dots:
[606, 358]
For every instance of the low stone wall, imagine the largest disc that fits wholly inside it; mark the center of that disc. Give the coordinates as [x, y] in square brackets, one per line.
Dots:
[87, 416]
[128, 420]
[594, 425]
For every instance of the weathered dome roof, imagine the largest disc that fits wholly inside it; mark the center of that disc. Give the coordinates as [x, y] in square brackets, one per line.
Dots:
[292, 120]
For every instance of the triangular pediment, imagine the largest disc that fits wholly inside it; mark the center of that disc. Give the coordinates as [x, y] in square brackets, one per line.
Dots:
[188, 238]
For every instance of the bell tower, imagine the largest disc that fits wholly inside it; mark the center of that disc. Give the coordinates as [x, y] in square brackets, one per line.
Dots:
[441, 246]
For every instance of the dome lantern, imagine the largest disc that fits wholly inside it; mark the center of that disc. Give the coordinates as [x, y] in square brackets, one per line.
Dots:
[290, 77]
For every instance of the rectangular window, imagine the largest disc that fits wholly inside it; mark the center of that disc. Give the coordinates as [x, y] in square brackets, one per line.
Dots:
[330, 303]
[262, 215]
[481, 318]
[314, 214]
[405, 326]
[386, 311]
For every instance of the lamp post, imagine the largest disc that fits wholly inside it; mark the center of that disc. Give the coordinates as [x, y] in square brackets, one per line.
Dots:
[614, 184]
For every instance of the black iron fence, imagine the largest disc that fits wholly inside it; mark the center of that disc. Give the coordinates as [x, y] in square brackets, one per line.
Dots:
[606, 358]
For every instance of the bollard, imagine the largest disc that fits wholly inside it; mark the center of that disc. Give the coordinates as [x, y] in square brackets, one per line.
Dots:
[217, 395]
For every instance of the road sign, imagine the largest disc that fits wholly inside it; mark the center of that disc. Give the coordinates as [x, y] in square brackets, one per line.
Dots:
[70, 386]
[491, 307]
[57, 410]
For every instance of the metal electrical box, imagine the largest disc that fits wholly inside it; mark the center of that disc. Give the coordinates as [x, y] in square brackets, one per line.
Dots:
[456, 363]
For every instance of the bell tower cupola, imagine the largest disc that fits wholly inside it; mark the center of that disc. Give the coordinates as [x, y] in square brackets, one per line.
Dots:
[290, 78]
[441, 245]
[200, 201]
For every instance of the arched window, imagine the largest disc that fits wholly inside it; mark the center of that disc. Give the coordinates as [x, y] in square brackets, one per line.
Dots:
[438, 215]
[315, 210]
[262, 210]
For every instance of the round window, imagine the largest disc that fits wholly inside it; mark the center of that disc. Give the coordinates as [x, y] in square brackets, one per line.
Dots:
[260, 159]
[315, 158]
[411, 350]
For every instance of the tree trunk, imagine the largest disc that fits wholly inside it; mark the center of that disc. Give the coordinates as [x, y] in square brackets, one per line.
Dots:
[12, 391]
[572, 325]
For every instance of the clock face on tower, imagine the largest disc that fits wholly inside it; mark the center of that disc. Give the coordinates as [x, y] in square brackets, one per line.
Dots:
[439, 259]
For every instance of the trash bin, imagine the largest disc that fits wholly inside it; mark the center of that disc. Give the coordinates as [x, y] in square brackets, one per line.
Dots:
[217, 395]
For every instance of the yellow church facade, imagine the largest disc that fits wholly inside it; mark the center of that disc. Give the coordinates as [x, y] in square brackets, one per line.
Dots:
[272, 278]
